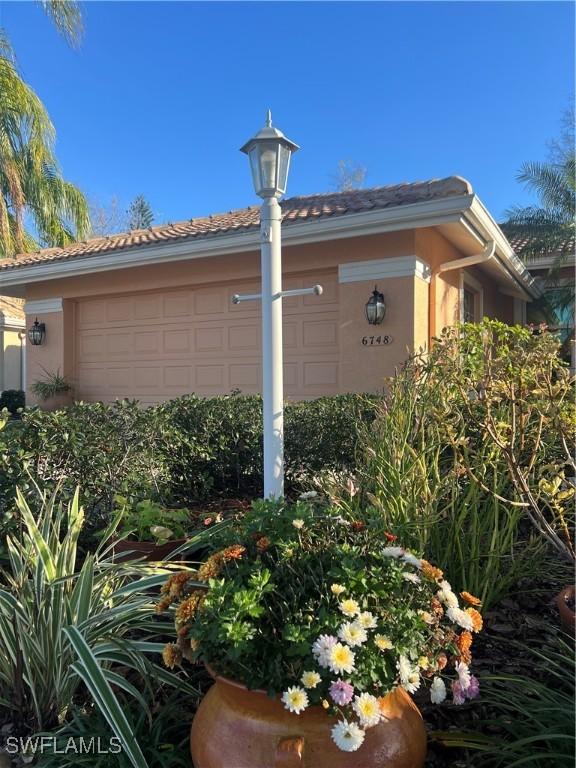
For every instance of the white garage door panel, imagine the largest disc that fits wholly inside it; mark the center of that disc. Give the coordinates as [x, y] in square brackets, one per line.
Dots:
[160, 345]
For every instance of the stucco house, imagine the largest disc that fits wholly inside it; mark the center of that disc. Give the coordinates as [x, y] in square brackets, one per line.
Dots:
[148, 314]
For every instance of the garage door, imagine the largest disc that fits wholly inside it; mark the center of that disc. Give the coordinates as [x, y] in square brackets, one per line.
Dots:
[155, 346]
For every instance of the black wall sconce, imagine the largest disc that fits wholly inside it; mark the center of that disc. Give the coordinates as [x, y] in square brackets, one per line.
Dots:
[375, 307]
[37, 333]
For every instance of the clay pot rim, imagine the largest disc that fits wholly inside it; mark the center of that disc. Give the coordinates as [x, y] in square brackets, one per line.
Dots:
[234, 683]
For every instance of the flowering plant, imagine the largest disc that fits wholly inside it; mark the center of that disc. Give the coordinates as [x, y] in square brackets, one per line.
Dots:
[323, 610]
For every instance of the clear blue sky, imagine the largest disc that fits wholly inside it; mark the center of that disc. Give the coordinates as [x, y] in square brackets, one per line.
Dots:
[160, 96]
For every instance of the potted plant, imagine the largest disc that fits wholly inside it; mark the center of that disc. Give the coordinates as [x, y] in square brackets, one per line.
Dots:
[54, 392]
[316, 627]
[148, 530]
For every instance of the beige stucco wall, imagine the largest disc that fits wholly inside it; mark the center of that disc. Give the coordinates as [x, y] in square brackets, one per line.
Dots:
[161, 330]
[10, 359]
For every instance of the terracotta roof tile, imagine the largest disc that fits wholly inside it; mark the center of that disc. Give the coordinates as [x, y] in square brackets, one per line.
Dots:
[294, 209]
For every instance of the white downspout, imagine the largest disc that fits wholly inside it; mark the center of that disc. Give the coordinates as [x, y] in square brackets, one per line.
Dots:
[447, 266]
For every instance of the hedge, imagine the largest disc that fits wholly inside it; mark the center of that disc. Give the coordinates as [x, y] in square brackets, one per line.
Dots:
[182, 451]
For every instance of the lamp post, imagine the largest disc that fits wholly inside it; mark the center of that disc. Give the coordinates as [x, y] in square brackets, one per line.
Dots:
[269, 153]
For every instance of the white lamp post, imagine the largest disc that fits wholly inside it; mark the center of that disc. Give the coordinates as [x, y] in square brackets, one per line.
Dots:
[269, 152]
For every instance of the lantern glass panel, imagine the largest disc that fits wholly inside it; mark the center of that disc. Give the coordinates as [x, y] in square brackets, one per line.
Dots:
[254, 156]
[268, 165]
[283, 166]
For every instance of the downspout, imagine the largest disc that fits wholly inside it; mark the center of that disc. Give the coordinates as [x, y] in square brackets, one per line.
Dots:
[448, 266]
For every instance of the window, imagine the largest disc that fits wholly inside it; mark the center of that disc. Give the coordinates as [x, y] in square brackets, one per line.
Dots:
[471, 299]
[469, 306]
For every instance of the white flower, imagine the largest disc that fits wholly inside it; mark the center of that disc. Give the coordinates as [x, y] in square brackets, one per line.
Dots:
[392, 552]
[464, 676]
[411, 559]
[383, 643]
[414, 578]
[341, 659]
[367, 620]
[337, 589]
[310, 679]
[367, 709]
[308, 495]
[446, 596]
[347, 736]
[352, 633]
[349, 607]
[321, 648]
[460, 617]
[295, 699]
[298, 524]
[409, 675]
[437, 691]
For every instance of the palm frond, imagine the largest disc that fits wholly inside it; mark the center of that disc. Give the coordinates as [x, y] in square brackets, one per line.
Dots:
[67, 18]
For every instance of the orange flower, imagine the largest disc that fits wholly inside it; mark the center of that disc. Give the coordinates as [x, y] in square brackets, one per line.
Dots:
[234, 552]
[477, 622]
[212, 568]
[171, 655]
[163, 605]
[357, 526]
[436, 607]
[176, 583]
[262, 544]
[188, 608]
[441, 661]
[464, 643]
[470, 599]
[431, 572]
[390, 536]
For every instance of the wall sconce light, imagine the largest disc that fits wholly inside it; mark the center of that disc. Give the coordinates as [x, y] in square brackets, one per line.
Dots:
[37, 333]
[375, 307]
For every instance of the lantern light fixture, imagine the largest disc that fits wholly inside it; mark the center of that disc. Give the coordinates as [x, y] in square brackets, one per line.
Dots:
[37, 333]
[375, 307]
[269, 152]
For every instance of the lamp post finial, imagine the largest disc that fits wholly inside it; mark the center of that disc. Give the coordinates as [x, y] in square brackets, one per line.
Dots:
[268, 119]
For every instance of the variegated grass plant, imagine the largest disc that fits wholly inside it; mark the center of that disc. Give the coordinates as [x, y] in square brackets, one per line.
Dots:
[66, 630]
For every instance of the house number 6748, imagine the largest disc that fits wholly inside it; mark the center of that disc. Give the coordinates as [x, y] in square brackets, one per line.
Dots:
[376, 341]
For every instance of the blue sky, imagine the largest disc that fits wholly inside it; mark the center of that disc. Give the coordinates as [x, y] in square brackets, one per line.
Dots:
[160, 96]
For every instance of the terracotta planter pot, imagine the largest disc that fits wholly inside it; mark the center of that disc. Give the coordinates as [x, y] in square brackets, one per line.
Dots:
[565, 602]
[57, 402]
[149, 550]
[238, 728]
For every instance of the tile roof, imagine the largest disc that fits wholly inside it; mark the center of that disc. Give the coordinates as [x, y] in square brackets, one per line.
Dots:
[521, 242]
[12, 307]
[294, 209]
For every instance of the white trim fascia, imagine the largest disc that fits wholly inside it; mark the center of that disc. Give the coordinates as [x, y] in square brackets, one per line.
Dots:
[43, 306]
[505, 255]
[11, 323]
[427, 214]
[381, 269]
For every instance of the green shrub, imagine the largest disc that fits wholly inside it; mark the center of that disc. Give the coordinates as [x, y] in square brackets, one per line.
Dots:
[12, 399]
[467, 458]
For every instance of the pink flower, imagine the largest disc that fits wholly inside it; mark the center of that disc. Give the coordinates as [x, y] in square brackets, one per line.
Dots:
[342, 692]
[458, 695]
[473, 689]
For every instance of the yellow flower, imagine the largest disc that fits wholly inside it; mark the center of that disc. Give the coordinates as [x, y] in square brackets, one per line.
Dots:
[383, 643]
[423, 662]
[310, 679]
[349, 607]
[325, 704]
[171, 655]
[470, 599]
[337, 589]
[367, 707]
[295, 699]
[341, 659]
[298, 524]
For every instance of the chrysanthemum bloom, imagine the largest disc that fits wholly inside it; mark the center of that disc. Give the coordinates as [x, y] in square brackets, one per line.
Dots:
[441, 661]
[347, 736]
[474, 687]
[412, 577]
[390, 536]
[464, 676]
[409, 675]
[392, 552]
[427, 617]
[476, 618]
[212, 568]
[163, 605]
[423, 662]
[310, 679]
[464, 643]
[367, 620]
[383, 643]
[337, 589]
[176, 583]
[411, 559]
[352, 634]
[262, 543]
[470, 599]
[172, 655]
[357, 526]
[436, 608]
[430, 571]
[295, 699]
[321, 648]
[446, 596]
[437, 691]
[349, 607]
[460, 617]
[298, 524]
[235, 552]
[341, 692]
[457, 693]
[341, 659]
[308, 495]
[367, 709]
[188, 608]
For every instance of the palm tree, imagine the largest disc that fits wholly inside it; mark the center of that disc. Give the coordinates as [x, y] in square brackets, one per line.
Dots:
[31, 185]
